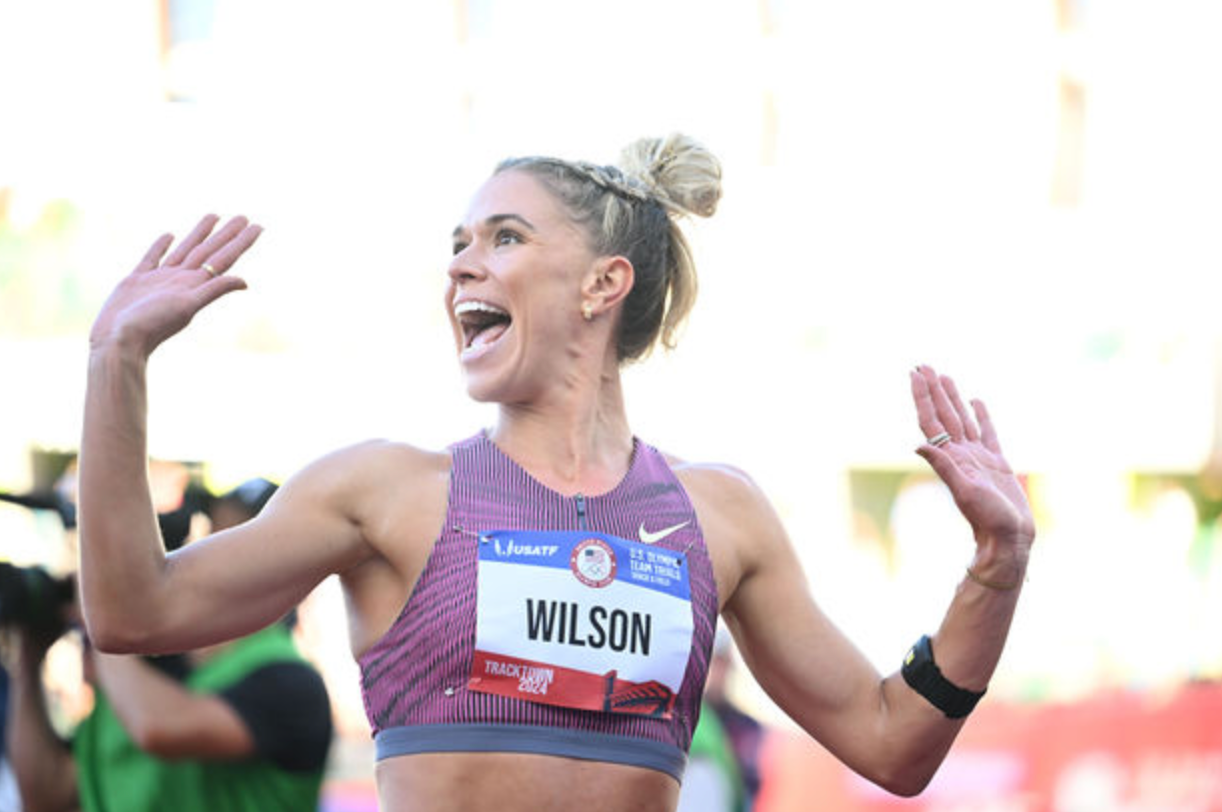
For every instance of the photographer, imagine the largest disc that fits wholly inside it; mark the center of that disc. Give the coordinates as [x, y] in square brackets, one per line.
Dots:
[34, 612]
[246, 727]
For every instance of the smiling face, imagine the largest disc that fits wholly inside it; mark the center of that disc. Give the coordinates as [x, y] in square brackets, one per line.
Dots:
[514, 297]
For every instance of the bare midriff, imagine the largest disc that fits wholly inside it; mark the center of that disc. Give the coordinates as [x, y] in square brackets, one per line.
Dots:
[514, 782]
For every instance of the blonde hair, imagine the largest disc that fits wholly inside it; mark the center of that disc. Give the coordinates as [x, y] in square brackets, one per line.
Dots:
[632, 210]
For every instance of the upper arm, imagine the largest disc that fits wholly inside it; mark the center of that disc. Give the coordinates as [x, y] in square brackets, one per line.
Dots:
[323, 520]
[797, 654]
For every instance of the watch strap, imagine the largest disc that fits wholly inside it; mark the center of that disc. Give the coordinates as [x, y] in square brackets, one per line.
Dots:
[923, 676]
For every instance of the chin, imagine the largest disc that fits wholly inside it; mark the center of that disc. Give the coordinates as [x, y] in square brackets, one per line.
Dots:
[483, 388]
[481, 395]
[490, 388]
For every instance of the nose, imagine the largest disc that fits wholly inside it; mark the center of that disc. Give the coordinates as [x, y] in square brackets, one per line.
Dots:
[464, 267]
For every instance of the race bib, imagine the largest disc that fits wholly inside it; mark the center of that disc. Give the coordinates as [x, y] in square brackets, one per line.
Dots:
[581, 620]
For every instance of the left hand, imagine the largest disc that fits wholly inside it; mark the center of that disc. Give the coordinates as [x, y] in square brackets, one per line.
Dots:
[971, 463]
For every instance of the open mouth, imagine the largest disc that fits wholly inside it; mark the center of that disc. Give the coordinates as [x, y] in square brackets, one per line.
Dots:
[482, 323]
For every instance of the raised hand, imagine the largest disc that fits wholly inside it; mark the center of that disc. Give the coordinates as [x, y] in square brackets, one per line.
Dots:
[963, 450]
[159, 298]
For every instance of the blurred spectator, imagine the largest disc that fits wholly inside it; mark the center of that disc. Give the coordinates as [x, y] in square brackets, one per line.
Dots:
[743, 731]
[241, 726]
[724, 770]
[712, 781]
[10, 801]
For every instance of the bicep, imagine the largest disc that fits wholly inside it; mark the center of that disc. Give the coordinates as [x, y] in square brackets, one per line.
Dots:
[804, 662]
[248, 576]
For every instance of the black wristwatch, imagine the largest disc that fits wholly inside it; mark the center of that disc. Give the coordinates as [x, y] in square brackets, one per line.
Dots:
[923, 676]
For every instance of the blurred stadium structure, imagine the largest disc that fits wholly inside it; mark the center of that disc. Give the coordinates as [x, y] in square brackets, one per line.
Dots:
[1024, 194]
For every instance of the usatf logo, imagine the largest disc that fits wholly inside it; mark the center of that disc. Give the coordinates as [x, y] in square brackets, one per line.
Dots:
[513, 548]
[593, 562]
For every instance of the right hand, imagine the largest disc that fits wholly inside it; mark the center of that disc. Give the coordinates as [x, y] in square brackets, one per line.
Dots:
[159, 298]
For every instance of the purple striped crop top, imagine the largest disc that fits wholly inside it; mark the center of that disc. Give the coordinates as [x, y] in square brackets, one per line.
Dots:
[417, 679]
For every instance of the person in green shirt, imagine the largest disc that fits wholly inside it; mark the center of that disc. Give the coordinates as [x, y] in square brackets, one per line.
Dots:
[247, 727]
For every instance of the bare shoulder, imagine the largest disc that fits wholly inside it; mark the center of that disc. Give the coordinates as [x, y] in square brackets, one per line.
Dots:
[379, 453]
[365, 467]
[367, 488]
[718, 483]
[377, 481]
[389, 499]
[738, 522]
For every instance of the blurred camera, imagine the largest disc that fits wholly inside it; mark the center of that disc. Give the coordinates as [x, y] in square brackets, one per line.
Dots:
[33, 599]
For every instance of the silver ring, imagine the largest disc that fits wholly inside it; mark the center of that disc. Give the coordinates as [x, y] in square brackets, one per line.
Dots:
[208, 269]
[939, 439]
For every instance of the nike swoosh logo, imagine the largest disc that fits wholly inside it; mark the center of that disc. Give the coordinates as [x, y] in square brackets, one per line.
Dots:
[656, 536]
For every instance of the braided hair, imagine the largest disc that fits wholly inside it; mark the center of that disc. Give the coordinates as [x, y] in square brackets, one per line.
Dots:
[632, 210]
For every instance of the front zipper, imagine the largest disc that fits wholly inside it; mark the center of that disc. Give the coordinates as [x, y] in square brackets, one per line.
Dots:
[581, 511]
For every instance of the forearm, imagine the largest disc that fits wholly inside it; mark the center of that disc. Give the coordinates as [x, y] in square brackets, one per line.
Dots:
[966, 648]
[122, 556]
[41, 761]
[145, 700]
[969, 642]
[166, 719]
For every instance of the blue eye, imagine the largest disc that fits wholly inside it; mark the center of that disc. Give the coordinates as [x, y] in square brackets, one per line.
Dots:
[508, 237]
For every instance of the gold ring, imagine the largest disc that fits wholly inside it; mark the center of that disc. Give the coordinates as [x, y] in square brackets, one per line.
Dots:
[208, 269]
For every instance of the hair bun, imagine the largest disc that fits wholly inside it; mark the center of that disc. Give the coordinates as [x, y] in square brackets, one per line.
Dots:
[684, 175]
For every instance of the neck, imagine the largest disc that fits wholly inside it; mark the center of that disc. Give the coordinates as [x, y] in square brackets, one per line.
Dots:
[577, 441]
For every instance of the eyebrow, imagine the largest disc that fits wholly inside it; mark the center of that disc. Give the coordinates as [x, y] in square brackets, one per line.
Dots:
[496, 219]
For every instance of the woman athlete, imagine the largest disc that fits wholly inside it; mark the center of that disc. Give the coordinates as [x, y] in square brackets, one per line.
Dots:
[533, 608]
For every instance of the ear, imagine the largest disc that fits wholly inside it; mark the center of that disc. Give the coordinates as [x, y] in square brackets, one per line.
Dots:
[607, 284]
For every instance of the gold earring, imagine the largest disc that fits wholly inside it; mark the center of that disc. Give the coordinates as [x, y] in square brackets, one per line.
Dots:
[587, 311]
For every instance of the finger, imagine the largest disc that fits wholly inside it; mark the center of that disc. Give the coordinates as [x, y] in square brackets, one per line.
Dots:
[988, 433]
[214, 243]
[965, 418]
[197, 235]
[152, 257]
[943, 466]
[217, 287]
[225, 256]
[927, 413]
[946, 413]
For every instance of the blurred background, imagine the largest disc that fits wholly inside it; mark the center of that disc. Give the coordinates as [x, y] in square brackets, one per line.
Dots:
[1024, 194]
